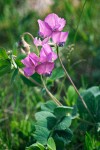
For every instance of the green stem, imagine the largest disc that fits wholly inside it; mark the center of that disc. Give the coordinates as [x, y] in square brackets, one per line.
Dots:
[29, 78]
[90, 123]
[68, 76]
[50, 94]
[79, 21]
[27, 33]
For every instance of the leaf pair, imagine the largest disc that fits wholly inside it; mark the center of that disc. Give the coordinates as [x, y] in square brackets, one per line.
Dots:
[53, 122]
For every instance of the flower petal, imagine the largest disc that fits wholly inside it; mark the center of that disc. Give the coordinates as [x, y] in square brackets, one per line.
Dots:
[59, 37]
[44, 29]
[45, 68]
[37, 42]
[26, 61]
[62, 23]
[63, 36]
[28, 71]
[56, 23]
[45, 41]
[34, 59]
[46, 54]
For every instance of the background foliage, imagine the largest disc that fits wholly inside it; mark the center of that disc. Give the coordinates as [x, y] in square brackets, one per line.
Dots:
[19, 101]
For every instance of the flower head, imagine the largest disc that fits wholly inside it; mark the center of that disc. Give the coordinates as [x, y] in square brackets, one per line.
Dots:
[43, 64]
[39, 42]
[30, 63]
[47, 57]
[50, 24]
[44, 29]
[45, 68]
[59, 38]
[47, 54]
[54, 22]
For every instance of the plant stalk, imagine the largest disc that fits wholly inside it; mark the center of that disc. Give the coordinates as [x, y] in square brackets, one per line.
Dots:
[27, 33]
[50, 94]
[29, 78]
[68, 76]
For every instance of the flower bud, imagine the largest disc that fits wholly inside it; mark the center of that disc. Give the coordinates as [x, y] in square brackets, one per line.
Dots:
[25, 47]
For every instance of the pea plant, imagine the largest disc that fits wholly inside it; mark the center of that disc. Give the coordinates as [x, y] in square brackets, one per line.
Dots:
[53, 122]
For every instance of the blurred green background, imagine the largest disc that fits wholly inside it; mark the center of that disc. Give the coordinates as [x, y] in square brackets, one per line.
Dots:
[19, 101]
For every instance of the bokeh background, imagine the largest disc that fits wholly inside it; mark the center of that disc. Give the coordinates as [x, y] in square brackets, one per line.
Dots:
[81, 56]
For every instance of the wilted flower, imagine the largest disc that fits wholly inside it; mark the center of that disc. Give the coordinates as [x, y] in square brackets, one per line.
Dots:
[25, 47]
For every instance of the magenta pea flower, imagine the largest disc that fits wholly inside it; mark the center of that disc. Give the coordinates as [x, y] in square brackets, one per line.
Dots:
[47, 54]
[45, 68]
[30, 63]
[43, 64]
[51, 23]
[59, 38]
[44, 29]
[39, 42]
[55, 23]
[47, 57]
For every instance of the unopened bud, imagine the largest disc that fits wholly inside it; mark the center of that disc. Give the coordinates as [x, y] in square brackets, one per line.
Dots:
[24, 46]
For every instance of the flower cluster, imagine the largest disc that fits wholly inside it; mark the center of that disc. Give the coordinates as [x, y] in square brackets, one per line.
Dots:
[49, 29]
[43, 64]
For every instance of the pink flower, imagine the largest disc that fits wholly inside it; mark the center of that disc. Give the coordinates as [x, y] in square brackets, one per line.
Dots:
[38, 42]
[44, 29]
[59, 38]
[47, 57]
[50, 24]
[30, 63]
[43, 64]
[45, 68]
[54, 22]
[47, 54]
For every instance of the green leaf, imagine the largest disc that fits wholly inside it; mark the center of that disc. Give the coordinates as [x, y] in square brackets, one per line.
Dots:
[27, 81]
[45, 119]
[18, 60]
[94, 90]
[51, 144]
[62, 111]
[43, 115]
[64, 135]
[91, 97]
[71, 95]
[19, 63]
[64, 123]
[41, 134]
[5, 65]
[4, 70]
[57, 73]
[37, 78]
[3, 53]
[15, 72]
[97, 107]
[36, 145]
[4, 62]
[48, 106]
